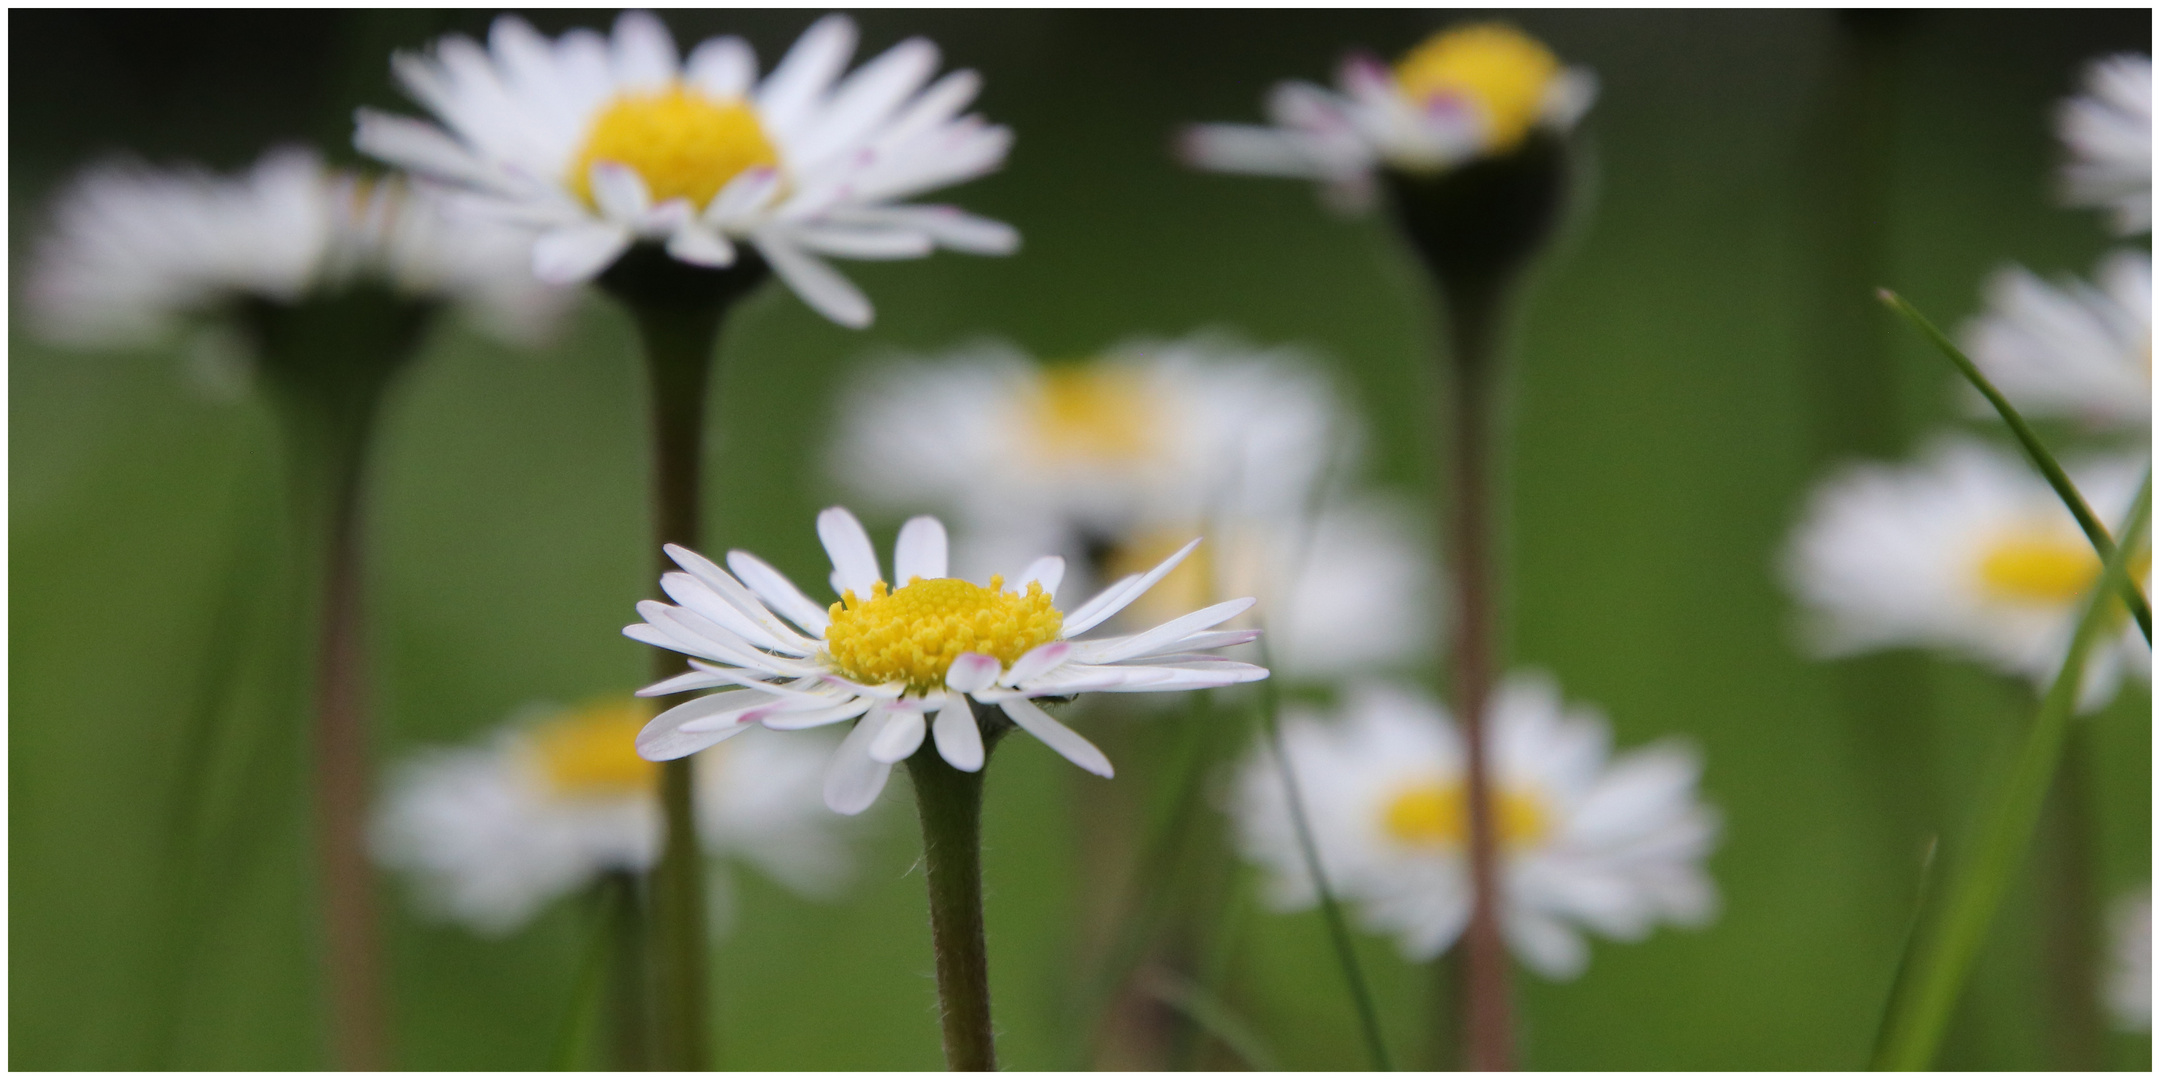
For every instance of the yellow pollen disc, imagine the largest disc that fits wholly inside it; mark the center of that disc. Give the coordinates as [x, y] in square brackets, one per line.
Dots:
[1091, 412]
[1437, 815]
[1495, 65]
[593, 750]
[914, 633]
[2045, 568]
[685, 145]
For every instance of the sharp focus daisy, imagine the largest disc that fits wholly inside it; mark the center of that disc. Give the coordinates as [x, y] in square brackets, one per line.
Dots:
[1588, 840]
[602, 142]
[2108, 131]
[1968, 551]
[1469, 92]
[134, 251]
[2128, 993]
[910, 661]
[491, 833]
[2077, 350]
[1114, 462]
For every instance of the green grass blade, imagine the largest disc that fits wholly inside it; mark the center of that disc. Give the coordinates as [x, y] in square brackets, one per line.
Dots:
[1213, 1015]
[2034, 449]
[1920, 1009]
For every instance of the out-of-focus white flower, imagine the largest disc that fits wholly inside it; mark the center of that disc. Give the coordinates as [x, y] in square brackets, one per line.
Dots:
[1465, 93]
[1113, 463]
[2128, 992]
[491, 833]
[600, 142]
[1967, 550]
[2075, 350]
[935, 645]
[1614, 845]
[2108, 131]
[133, 251]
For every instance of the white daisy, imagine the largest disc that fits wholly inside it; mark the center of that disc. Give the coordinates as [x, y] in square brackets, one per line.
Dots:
[135, 251]
[2128, 992]
[1468, 92]
[491, 833]
[1115, 462]
[895, 657]
[2076, 350]
[1968, 551]
[600, 142]
[2108, 131]
[1614, 846]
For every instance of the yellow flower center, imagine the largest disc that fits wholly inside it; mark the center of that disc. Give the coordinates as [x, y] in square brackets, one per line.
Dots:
[592, 751]
[685, 145]
[914, 633]
[1501, 69]
[1092, 412]
[1437, 815]
[2045, 568]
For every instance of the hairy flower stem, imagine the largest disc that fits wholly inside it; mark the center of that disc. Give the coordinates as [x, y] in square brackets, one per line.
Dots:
[678, 310]
[949, 803]
[326, 365]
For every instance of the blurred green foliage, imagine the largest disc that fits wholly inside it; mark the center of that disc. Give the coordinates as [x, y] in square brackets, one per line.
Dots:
[1684, 372]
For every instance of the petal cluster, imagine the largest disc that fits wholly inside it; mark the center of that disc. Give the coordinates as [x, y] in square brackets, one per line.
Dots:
[836, 155]
[1590, 841]
[2108, 132]
[753, 632]
[2074, 349]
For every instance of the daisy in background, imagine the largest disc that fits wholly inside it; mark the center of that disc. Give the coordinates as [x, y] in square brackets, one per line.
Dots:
[2076, 350]
[2108, 132]
[2128, 992]
[597, 143]
[550, 803]
[1613, 845]
[908, 661]
[1473, 91]
[1116, 461]
[1966, 551]
[135, 253]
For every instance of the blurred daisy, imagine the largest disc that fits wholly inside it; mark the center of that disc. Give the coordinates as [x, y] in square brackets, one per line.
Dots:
[1473, 91]
[1968, 551]
[601, 142]
[2108, 131]
[2075, 350]
[492, 833]
[2129, 981]
[935, 646]
[134, 252]
[1613, 845]
[1113, 463]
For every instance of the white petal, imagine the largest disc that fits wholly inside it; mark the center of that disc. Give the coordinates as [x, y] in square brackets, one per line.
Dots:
[723, 67]
[741, 598]
[1050, 570]
[971, 672]
[700, 246]
[1113, 599]
[959, 741]
[854, 561]
[860, 243]
[920, 551]
[664, 740]
[1037, 661]
[644, 52]
[1110, 652]
[700, 679]
[819, 285]
[1058, 737]
[619, 192]
[806, 71]
[903, 734]
[744, 198]
[778, 592]
[853, 778]
[783, 719]
[576, 253]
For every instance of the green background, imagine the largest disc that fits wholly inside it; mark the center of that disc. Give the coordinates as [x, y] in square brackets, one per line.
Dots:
[1700, 347]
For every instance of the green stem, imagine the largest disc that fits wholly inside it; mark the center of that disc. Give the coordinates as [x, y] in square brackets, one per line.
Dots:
[2095, 531]
[949, 802]
[1920, 1008]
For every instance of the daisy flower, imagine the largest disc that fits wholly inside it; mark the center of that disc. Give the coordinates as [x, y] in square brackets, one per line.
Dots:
[1610, 844]
[908, 661]
[134, 252]
[2108, 131]
[2128, 992]
[2075, 350]
[1114, 462]
[1966, 551]
[602, 142]
[492, 833]
[1466, 93]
